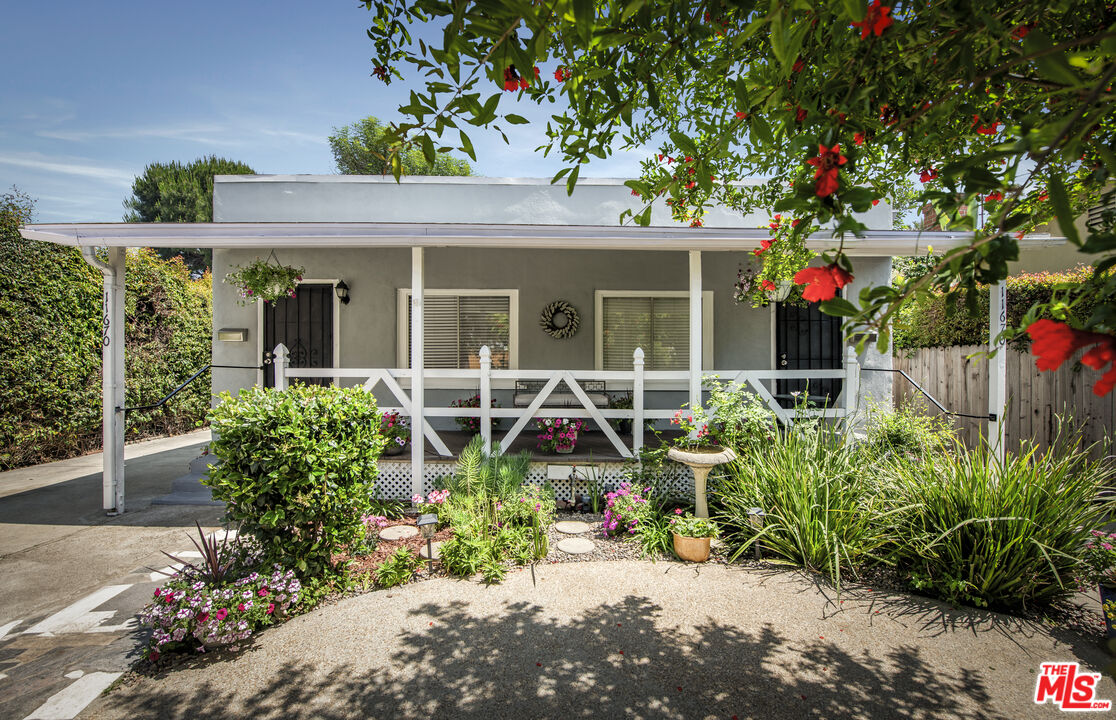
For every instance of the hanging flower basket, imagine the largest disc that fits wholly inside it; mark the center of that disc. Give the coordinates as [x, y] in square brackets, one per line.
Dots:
[264, 280]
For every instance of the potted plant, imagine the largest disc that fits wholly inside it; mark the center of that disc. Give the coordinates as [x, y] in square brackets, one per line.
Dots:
[622, 401]
[472, 424]
[692, 536]
[1098, 567]
[558, 434]
[396, 432]
[698, 449]
[264, 280]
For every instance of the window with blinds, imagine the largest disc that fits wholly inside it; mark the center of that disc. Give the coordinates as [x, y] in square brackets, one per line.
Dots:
[456, 326]
[659, 325]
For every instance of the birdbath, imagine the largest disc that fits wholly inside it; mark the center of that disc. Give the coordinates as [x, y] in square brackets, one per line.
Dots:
[701, 460]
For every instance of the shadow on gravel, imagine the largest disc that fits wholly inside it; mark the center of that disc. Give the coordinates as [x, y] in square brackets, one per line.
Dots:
[524, 665]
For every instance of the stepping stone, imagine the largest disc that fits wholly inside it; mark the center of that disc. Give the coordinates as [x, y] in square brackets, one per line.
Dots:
[436, 547]
[576, 545]
[571, 527]
[398, 532]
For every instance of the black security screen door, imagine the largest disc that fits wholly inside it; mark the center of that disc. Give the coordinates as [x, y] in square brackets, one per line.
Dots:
[807, 339]
[304, 324]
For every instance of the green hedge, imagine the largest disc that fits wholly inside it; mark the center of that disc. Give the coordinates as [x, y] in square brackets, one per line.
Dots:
[924, 322]
[298, 470]
[50, 332]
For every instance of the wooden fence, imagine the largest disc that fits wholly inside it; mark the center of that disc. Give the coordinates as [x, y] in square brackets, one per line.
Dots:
[1035, 399]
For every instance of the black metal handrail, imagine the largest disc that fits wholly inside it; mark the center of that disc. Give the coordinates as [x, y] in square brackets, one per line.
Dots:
[931, 398]
[182, 387]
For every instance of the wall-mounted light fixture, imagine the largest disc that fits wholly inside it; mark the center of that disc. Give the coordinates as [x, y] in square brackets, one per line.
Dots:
[232, 334]
[342, 291]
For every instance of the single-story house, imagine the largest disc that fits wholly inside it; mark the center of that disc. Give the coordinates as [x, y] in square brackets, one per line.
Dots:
[645, 311]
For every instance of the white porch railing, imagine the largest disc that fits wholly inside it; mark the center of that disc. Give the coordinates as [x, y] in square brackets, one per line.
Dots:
[637, 380]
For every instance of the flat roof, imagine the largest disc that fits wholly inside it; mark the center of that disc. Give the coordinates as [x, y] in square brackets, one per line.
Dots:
[549, 237]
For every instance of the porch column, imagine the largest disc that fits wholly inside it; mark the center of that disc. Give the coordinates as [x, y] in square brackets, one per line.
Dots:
[418, 399]
[695, 329]
[997, 368]
[112, 376]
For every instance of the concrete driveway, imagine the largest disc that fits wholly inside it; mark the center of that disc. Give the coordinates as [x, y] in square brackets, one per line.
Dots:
[72, 578]
[622, 639]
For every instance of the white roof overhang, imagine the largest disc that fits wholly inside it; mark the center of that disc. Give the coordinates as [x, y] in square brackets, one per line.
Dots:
[550, 237]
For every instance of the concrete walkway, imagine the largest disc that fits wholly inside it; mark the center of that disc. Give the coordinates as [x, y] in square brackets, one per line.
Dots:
[622, 639]
[72, 578]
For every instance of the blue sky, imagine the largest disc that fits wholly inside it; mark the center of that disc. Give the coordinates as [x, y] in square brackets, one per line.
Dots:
[95, 91]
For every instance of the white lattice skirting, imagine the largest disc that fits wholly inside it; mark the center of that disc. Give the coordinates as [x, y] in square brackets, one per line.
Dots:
[395, 479]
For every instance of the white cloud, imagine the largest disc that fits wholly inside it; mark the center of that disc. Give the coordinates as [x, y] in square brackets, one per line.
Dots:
[110, 175]
[201, 134]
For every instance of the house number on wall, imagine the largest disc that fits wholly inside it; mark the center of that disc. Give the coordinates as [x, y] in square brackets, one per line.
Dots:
[105, 322]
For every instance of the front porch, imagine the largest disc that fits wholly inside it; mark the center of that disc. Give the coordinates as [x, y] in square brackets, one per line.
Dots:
[592, 447]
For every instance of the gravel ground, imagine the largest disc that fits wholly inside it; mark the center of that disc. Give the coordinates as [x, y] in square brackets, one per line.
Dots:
[623, 639]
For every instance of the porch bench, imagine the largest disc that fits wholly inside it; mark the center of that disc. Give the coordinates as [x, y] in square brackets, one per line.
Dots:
[527, 390]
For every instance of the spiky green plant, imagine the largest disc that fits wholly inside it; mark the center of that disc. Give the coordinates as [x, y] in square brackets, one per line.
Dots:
[1002, 533]
[823, 509]
[480, 473]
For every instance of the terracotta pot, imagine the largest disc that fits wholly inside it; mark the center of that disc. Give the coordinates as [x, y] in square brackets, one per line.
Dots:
[691, 549]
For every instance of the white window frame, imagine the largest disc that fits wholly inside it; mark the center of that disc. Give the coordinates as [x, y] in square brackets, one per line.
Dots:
[706, 321]
[260, 349]
[403, 328]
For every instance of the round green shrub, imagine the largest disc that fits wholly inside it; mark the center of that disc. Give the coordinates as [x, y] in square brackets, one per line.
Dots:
[298, 470]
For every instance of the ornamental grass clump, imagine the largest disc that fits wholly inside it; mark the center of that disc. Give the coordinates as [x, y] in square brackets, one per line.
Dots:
[298, 471]
[998, 533]
[823, 508]
[192, 614]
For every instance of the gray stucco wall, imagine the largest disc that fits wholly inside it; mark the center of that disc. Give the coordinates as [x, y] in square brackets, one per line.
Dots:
[368, 324]
[742, 336]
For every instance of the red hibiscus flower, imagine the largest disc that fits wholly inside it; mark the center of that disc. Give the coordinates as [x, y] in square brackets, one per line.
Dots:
[822, 282]
[985, 129]
[828, 163]
[741, 115]
[380, 72]
[794, 223]
[858, 138]
[511, 79]
[768, 285]
[798, 65]
[994, 197]
[1053, 342]
[562, 74]
[928, 174]
[800, 114]
[696, 222]
[876, 20]
[1022, 31]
